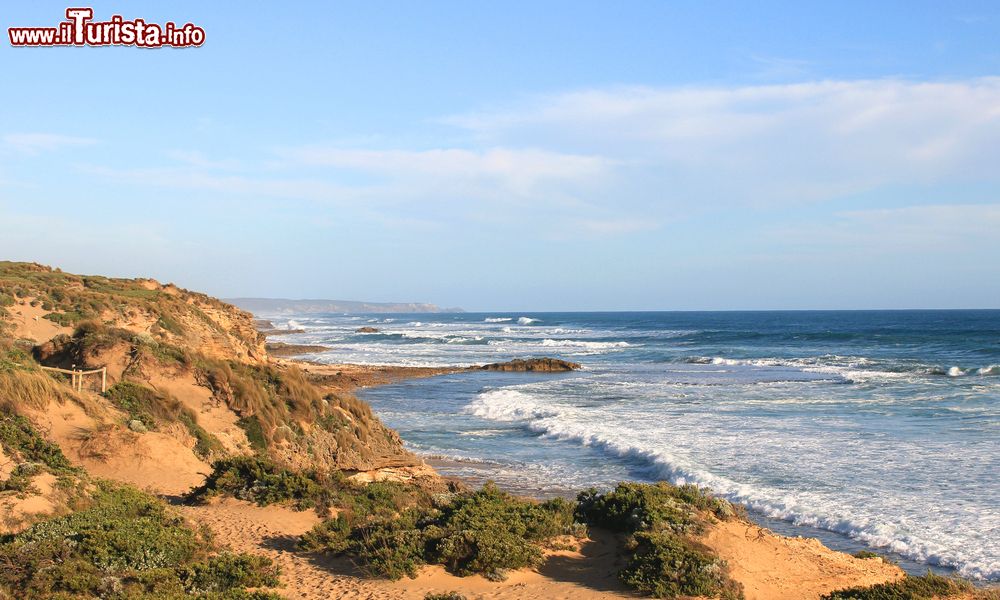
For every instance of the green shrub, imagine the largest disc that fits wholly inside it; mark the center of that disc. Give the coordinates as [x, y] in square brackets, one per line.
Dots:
[255, 433]
[665, 565]
[19, 439]
[391, 546]
[20, 477]
[227, 571]
[125, 544]
[865, 554]
[67, 319]
[661, 519]
[444, 596]
[256, 479]
[634, 507]
[392, 530]
[206, 445]
[909, 588]
[490, 531]
[15, 357]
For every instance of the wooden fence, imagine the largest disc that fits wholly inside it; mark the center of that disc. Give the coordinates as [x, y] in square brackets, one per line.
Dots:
[76, 376]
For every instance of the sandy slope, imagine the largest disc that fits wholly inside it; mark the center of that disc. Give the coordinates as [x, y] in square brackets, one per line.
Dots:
[772, 567]
[29, 323]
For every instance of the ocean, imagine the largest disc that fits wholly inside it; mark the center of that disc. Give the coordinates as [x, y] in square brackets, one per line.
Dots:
[868, 429]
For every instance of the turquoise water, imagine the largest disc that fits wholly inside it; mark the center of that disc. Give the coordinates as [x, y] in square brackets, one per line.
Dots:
[877, 429]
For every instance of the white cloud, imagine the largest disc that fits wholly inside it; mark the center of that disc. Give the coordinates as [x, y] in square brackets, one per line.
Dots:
[769, 143]
[920, 232]
[519, 171]
[616, 161]
[35, 143]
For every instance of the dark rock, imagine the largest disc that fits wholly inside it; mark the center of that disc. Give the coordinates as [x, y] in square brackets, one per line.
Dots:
[366, 330]
[545, 365]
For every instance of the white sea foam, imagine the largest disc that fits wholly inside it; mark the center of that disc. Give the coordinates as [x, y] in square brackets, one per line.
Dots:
[940, 539]
[527, 320]
[548, 342]
[497, 319]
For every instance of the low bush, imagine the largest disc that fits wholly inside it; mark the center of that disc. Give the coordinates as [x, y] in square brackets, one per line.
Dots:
[661, 519]
[444, 596]
[125, 544]
[228, 571]
[489, 531]
[923, 587]
[634, 507]
[20, 440]
[665, 565]
[256, 479]
[485, 532]
[865, 554]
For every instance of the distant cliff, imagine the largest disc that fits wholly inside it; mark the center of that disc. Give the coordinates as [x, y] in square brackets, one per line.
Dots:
[272, 306]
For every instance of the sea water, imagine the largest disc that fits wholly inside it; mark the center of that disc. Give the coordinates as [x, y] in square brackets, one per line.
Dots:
[876, 429]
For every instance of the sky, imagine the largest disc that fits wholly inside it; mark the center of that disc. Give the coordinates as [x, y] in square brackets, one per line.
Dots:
[519, 155]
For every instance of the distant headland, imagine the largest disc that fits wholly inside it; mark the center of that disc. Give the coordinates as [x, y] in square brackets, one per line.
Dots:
[284, 305]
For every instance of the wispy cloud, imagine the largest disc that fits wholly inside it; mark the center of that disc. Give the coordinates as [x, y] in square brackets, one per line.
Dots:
[35, 143]
[618, 161]
[770, 143]
[516, 170]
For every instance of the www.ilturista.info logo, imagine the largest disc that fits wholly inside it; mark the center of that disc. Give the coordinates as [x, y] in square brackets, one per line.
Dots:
[79, 29]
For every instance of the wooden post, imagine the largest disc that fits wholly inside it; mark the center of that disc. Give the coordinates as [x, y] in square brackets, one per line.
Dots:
[104, 379]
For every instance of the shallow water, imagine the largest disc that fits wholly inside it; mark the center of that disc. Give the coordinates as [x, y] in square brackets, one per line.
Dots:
[880, 428]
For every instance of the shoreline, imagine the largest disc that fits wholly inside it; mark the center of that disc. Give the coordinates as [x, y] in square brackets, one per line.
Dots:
[350, 378]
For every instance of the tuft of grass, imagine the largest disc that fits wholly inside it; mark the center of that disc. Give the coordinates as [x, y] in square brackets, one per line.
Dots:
[865, 554]
[28, 388]
[444, 596]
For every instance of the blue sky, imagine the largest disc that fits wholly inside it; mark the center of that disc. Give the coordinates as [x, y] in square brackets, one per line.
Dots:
[520, 155]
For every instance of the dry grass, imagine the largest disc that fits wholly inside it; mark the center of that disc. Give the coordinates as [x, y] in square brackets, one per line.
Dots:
[33, 389]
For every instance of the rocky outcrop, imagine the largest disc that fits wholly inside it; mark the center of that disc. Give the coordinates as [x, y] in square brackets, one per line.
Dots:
[366, 330]
[285, 350]
[544, 365]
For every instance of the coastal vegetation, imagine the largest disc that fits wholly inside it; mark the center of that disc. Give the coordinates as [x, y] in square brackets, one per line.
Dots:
[185, 373]
[127, 544]
[391, 533]
[661, 522]
[285, 416]
[924, 587]
[149, 410]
